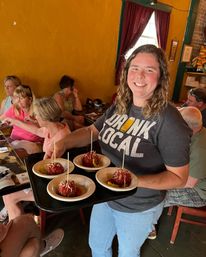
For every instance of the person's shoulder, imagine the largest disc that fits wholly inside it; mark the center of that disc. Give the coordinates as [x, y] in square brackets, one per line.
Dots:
[202, 134]
[4, 100]
[6, 103]
[170, 112]
[57, 94]
[171, 108]
[110, 110]
[10, 110]
[198, 142]
[172, 119]
[58, 97]
[2, 104]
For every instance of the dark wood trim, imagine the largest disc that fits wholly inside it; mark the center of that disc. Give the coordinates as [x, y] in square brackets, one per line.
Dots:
[187, 40]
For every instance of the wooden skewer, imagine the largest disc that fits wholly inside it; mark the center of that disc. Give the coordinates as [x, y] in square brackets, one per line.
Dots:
[67, 177]
[123, 156]
[54, 155]
[25, 165]
[91, 139]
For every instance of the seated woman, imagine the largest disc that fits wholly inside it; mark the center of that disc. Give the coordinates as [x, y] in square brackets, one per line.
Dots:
[68, 100]
[22, 110]
[10, 84]
[22, 238]
[48, 114]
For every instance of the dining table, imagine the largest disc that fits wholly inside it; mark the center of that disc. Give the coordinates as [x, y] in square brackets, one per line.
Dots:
[47, 203]
[13, 160]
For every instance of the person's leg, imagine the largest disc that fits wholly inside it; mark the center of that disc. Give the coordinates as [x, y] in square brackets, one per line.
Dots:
[22, 230]
[13, 205]
[31, 248]
[133, 229]
[102, 231]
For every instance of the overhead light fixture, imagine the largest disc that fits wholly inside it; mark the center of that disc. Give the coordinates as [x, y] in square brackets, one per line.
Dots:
[153, 2]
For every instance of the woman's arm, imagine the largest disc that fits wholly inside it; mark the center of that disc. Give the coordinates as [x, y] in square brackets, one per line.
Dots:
[67, 115]
[58, 98]
[191, 182]
[2, 106]
[79, 138]
[2, 117]
[33, 128]
[173, 177]
[77, 103]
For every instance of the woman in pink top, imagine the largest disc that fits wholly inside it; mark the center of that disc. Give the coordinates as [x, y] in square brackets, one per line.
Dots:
[49, 127]
[48, 114]
[22, 110]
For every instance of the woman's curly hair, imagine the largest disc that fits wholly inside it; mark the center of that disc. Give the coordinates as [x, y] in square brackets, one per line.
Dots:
[159, 99]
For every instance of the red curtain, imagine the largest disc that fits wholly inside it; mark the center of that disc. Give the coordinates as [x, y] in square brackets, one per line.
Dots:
[162, 20]
[135, 19]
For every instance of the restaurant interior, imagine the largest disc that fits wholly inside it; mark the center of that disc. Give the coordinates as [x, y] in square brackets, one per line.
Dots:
[44, 40]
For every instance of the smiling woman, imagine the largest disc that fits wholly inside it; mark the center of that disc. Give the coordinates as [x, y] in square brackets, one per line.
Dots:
[150, 60]
[143, 77]
[141, 123]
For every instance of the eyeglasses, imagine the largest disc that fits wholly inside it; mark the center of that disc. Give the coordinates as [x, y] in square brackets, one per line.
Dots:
[192, 93]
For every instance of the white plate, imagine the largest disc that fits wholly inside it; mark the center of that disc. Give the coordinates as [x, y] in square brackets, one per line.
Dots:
[86, 184]
[40, 171]
[105, 162]
[102, 177]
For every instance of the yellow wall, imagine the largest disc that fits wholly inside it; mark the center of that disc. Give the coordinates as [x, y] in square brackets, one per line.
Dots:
[42, 40]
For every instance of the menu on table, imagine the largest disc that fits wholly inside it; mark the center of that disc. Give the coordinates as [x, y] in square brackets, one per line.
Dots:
[12, 168]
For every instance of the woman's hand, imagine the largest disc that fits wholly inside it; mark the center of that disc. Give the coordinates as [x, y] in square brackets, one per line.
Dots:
[78, 138]
[59, 150]
[9, 121]
[75, 92]
[78, 119]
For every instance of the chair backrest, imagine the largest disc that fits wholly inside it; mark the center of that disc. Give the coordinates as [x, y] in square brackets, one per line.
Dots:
[197, 212]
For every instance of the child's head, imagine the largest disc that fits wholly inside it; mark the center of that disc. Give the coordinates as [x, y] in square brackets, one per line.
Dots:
[47, 109]
[23, 96]
[66, 81]
[23, 91]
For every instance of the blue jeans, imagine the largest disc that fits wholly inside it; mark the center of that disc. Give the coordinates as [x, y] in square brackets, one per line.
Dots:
[131, 229]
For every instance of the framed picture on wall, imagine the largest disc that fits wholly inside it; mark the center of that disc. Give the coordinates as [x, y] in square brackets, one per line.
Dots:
[186, 53]
[173, 50]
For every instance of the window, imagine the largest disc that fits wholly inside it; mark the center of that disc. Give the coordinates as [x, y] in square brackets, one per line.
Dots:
[149, 36]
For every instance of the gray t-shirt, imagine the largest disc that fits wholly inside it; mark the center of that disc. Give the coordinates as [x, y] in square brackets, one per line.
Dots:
[150, 145]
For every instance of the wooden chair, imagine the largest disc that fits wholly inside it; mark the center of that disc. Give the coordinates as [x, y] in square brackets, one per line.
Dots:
[197, 212]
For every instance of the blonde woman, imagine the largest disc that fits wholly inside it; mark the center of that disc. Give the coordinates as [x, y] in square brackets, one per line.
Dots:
[22, 110]
[10, 84]
[47, 113]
